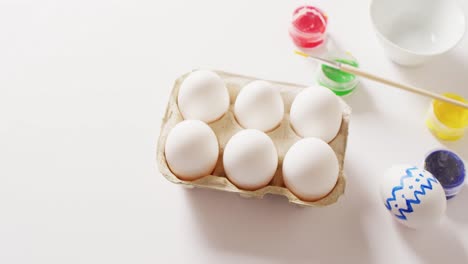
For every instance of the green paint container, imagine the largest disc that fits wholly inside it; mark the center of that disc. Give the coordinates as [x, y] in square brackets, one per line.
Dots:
[341, 83]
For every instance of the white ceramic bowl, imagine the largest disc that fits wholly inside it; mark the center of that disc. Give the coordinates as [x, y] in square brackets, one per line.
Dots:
[414, 31]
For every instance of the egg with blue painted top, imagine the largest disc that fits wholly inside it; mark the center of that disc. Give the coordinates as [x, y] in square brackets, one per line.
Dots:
[413, 196]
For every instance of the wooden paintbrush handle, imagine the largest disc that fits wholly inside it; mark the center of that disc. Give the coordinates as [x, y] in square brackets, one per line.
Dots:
[413, 89]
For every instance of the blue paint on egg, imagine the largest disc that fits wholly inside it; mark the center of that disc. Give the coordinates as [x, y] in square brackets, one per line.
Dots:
[413, 196]
[419, 191]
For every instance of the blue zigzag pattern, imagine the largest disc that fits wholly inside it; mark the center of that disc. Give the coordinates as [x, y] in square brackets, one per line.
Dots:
[409, 202]
[400, 187]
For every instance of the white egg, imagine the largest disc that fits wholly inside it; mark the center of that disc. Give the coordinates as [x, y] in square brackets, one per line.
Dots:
[191, 150]
[250, 159]
[203, 96]
[310, 169]
[413, 196]
[316, 112]
[259, 105]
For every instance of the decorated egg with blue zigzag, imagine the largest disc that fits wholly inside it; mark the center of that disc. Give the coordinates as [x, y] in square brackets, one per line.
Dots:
[413, 196]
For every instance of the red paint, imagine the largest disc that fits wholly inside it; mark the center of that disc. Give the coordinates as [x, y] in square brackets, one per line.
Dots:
[308, 27]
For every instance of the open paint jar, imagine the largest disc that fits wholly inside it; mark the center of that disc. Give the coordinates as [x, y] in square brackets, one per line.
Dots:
[340, 82]
[448, 168]
[447, 121]
[308, 27]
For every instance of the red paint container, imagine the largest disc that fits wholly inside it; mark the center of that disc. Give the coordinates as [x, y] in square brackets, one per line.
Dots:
[308, 27]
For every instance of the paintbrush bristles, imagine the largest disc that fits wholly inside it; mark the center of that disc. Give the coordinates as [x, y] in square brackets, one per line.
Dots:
[301, 53]
[333, 64]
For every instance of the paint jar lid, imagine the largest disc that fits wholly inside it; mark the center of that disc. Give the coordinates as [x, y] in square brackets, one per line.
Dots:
[448, 168]
[341, 83]
[308, 26]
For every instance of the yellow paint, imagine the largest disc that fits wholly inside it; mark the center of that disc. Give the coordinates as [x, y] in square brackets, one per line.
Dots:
[449, 114]
[301, 53]
[448, 121]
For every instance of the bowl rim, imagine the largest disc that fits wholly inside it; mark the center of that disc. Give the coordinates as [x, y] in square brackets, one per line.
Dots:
[394, 45]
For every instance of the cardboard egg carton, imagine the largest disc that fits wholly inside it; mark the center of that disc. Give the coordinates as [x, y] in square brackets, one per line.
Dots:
[283, 137]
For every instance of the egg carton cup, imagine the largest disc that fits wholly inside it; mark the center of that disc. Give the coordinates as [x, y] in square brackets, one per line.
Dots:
[283, 137]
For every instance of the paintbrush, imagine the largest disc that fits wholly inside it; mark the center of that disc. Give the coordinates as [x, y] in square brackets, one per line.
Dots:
[370, 76]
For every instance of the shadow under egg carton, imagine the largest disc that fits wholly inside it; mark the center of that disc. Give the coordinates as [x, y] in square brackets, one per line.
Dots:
[283, 137]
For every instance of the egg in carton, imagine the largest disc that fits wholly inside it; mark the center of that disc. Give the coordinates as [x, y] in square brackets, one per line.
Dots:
[282, 135]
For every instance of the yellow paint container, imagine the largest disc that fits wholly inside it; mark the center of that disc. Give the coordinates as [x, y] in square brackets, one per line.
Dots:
[447, 121]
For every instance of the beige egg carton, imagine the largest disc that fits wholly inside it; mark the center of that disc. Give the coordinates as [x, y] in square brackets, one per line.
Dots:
[283, 137]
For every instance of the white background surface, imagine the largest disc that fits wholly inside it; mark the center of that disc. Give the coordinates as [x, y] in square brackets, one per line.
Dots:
[83, 87]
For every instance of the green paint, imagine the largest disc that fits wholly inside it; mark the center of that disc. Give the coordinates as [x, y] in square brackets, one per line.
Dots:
[338, 75]
[341, 83]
